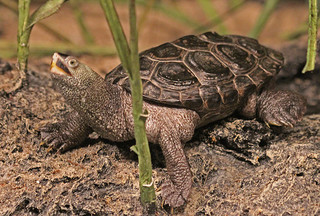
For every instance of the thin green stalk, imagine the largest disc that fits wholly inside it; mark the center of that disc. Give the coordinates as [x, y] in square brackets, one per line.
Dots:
[212, 14]
[130, 60]
[312, 36]
[299, 31]
[23, 36]
[54, 33]
[268, 8]
[8, 49]
[147, 9]
[212, 23]
[176, 14]
[234, 3]
[23, 43]
[171, 11]
[12, 6]
[79, 17]
[145, 167]
[25, 25]
[117, 32]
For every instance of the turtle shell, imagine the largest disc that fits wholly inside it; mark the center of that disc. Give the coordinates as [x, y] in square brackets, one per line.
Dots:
[208, 73]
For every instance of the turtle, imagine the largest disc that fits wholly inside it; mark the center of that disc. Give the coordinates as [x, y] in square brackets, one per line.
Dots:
[187, 83]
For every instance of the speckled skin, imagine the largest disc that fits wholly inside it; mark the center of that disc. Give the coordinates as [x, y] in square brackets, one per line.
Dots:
[107, 109]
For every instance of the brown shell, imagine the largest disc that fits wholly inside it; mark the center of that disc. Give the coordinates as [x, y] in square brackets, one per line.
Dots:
[208, 73]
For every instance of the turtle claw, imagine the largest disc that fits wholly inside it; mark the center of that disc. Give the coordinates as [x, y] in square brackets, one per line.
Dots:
[63, 136]
[171, 195]
[57, 141]
[280, 118]
[281, 108]
[51, 137]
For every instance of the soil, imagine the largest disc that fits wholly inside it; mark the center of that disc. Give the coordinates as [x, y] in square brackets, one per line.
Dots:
[240, 167]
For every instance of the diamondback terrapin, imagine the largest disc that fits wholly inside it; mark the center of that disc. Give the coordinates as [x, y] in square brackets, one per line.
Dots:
[187, 83]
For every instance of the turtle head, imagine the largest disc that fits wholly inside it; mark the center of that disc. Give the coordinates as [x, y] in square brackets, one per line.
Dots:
[64, 65]
[67, 69]
[82, 88]
[61, 63]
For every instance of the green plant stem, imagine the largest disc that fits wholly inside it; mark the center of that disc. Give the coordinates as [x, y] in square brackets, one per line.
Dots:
[54, 33]
[234, 3]
[312, 36]
[147, 9]
[117, 32]
[23, 36]
[212, 23]
[177, 14]
[299, 31]
[170, 10]
[79, 17]
[212, 14]
[12, 6]
[8, 49]
[130, 60]
[145, 167]
[25, 25]
[268, 8]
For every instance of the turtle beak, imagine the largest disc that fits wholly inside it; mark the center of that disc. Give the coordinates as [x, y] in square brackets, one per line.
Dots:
[59, 65]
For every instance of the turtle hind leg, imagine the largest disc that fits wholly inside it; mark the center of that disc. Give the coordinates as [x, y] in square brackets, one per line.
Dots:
[280, 108]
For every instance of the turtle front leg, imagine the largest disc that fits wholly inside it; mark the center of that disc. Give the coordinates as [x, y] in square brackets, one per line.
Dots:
[175, 191]
[67, 134]
[280, 108]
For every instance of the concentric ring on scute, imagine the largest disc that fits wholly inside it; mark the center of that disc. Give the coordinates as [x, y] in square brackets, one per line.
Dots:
[211, 70]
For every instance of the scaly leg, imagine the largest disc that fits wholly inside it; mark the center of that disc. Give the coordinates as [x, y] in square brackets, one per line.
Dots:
[66, 135]
[175, 191]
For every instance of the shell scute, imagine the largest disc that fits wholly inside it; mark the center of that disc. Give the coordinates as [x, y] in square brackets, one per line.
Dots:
[252, 45]
[210, 97]
[275, 55]
[192, 42]
[150, 90]
[165, 52]
[259, 76]
[117, 75]
[191, 98]
[210, 69]
[229, 93]
[174, 74]
[239, 60]
[244, 85]
[214, 37]
[146, 64]
[170, 96]
[270, 65]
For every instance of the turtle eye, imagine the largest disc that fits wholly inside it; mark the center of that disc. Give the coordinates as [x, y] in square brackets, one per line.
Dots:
[73, 63]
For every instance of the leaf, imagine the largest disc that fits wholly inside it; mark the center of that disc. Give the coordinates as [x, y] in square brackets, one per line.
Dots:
[44, 11]
[134, 148]
[268, 8]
